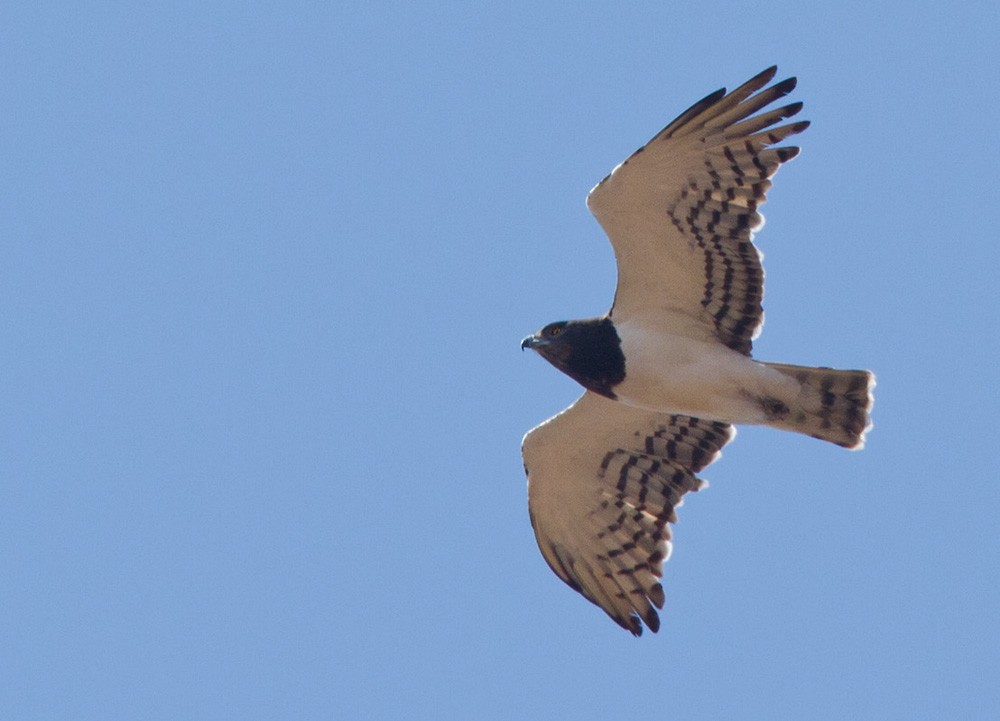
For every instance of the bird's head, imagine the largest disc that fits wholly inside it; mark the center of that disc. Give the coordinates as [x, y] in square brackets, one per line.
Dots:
[554, 341]
[589, 351]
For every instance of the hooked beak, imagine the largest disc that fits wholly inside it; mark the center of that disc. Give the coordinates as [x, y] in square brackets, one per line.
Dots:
[530, 342]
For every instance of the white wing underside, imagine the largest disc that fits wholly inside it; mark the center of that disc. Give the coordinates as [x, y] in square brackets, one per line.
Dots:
[681, 211]
[603, 482]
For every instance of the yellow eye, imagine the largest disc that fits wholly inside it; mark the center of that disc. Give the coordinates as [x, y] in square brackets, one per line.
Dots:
[554, 330]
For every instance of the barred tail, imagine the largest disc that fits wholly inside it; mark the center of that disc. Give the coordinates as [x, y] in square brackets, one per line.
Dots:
[833, 405]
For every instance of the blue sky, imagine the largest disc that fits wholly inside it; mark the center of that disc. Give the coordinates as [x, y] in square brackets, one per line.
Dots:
[264, 271]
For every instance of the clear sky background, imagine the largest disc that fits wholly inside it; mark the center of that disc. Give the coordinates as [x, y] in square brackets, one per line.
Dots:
[263, 275]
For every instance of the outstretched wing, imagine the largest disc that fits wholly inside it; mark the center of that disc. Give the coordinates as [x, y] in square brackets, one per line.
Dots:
[681, 212]
[603, 482]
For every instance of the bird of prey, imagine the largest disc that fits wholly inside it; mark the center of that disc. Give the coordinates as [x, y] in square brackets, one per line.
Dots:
[668, 369]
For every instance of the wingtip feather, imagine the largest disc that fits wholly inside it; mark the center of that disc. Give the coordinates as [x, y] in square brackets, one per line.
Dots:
[764, 76]
[785, 86]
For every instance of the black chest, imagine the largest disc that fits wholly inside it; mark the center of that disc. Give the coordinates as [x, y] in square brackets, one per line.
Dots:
[593, 356]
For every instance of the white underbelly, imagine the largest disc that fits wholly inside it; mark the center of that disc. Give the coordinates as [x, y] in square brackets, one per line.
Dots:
[674, 374]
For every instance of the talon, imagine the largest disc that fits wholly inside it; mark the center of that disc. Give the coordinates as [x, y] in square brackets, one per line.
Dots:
[775, 409]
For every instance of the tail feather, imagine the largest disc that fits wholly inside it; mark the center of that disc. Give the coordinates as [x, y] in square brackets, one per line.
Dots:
[833, 405]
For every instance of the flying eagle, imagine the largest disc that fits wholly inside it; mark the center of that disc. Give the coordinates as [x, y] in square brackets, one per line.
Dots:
[668, 369]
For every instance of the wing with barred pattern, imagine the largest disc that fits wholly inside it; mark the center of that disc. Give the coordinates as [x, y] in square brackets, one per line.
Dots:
[681, 212]
[604, 480]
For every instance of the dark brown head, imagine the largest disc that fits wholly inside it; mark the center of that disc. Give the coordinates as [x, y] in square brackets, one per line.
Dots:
[588, 351]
